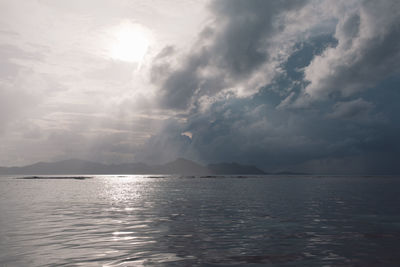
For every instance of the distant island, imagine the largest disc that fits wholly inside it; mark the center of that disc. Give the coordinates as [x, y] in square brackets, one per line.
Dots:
[179, 166]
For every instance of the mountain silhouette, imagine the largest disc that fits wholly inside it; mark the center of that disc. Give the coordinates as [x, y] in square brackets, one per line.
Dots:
[233, 168]
[179, 166]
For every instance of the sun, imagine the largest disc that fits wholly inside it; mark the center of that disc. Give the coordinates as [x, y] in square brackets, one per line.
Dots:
[130, 42]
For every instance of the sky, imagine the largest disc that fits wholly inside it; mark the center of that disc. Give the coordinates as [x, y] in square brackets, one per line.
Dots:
[291, 85]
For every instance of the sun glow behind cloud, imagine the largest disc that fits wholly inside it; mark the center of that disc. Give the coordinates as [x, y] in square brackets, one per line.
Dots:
[129, 42]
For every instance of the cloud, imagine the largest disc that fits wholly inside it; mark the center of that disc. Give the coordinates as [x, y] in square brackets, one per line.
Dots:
[13, 104]
[367, 52]
[355, 109]
[233, 54]
[270, 84]
[21, 90]
[286, 85]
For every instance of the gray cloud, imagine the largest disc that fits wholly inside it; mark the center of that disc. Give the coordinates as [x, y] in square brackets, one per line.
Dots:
[276, 140]
[17, 96]
[13, 103]
[367, 51]
[9, 56]
[355, 109]
[241, 46]
[325, 65]
[226, 54]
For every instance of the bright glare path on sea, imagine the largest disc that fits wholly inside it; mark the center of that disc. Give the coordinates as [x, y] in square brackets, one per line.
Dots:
[139, 221]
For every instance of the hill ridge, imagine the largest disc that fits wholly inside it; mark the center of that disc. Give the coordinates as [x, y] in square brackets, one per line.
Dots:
[178, 166]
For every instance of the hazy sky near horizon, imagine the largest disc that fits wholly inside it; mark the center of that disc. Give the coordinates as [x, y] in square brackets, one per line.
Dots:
[286, 85]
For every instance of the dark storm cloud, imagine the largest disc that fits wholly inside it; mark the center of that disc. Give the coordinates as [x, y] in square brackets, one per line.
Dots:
[355, 109]
[228, 52]
[181, 85]
[331, 133]
[277, 140]
[241, 46]
[368, 51]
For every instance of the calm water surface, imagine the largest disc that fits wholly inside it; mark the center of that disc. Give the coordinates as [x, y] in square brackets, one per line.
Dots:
[175, 221]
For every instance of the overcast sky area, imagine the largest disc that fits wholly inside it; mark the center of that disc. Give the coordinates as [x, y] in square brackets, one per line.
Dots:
[297, 85]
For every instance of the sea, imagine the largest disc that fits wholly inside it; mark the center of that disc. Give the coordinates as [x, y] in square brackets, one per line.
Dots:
[143, 220]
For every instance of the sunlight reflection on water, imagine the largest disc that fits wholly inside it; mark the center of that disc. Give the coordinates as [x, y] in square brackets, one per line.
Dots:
[140, 221]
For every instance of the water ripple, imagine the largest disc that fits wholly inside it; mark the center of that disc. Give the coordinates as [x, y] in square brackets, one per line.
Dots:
[136, 221]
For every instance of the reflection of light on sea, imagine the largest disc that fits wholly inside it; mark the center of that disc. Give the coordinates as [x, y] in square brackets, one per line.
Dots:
[129, 217]
[127, 189]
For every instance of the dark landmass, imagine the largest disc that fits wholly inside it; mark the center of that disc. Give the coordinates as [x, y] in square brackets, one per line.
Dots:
[291, 173]
[81, 167]
[233, 168]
